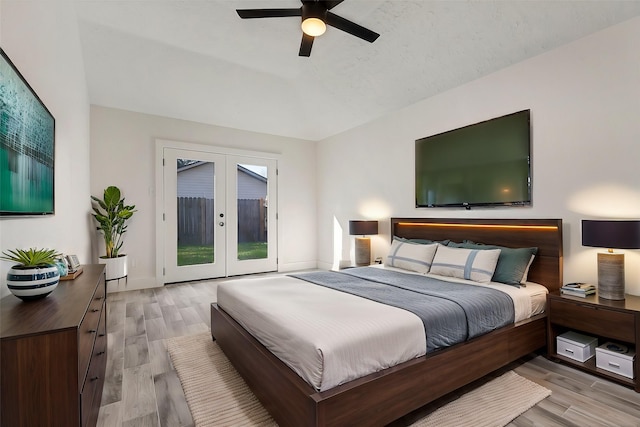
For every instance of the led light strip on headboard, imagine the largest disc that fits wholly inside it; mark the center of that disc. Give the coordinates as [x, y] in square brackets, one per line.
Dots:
[545, 234]
[438, 224]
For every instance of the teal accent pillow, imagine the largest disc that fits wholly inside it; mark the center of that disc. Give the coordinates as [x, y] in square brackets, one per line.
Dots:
[512, 265]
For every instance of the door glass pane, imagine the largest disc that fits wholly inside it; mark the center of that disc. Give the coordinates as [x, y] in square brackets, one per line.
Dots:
[196, 220]
[252, 211]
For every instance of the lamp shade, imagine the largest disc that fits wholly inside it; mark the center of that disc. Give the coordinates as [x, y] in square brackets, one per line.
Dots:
[611, 234]
[363, 228]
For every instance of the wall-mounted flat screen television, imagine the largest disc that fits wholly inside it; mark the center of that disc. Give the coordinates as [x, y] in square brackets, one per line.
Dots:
[27, 147]
[483, 164]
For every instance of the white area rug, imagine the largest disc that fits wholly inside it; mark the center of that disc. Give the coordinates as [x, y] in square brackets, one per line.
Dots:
[217, 395]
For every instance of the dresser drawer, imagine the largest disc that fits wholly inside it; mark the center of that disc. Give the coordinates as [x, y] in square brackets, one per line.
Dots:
[88, 331]
[91, 393]
[100, 293]
[594, 319]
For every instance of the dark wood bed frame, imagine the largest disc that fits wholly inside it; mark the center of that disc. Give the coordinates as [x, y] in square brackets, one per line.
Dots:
[382, 397]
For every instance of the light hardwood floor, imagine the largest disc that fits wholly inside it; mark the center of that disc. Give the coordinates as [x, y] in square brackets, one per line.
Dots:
[142, 389]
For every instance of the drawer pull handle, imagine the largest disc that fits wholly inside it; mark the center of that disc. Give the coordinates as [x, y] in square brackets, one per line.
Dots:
[101, 335]
[615, 365]
[92, 331]
[95, 378]
[100, 353]
[93, 310]
[99, 298]
[568, 350]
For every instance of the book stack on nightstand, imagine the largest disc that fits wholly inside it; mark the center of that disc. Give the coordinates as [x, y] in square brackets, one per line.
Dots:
[578, 289]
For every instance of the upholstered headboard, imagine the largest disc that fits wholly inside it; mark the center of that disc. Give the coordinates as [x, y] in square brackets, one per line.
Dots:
[545, 234]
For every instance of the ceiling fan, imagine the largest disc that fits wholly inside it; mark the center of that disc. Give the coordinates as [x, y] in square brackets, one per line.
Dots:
[315, 18]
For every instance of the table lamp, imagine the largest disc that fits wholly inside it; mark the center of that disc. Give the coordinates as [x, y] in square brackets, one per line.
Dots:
[363, 244]
[611, 235]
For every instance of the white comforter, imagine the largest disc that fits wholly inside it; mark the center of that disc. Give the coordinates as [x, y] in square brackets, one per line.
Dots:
[330, 337]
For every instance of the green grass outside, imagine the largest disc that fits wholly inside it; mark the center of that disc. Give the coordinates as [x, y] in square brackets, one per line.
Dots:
[252, 250]
[193, 255]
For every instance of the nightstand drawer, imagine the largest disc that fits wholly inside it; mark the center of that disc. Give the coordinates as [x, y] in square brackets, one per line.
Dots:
[594, 319]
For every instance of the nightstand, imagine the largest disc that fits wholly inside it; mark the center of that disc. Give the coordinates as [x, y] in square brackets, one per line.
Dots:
[607, 320]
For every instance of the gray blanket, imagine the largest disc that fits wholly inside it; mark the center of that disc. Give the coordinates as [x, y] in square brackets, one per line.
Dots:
[451, 312]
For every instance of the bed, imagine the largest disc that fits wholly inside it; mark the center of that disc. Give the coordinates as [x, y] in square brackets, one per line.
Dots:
[382, 397]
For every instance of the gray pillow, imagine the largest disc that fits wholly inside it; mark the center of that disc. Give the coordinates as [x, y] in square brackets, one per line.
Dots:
[512, 262]
[422, 241]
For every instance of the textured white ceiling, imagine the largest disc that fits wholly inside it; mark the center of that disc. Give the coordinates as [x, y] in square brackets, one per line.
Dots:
[197, 60]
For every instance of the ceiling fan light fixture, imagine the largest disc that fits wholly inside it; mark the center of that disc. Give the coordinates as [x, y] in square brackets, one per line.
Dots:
[313, 27]
[315, 16]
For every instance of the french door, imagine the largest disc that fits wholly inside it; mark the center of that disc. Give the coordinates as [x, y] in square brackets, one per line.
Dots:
[219, 215]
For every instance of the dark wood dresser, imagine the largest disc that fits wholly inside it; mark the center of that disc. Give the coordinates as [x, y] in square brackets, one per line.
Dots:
[53, 354]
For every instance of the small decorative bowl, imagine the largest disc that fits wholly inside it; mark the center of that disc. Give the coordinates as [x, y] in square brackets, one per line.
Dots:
[30, 283]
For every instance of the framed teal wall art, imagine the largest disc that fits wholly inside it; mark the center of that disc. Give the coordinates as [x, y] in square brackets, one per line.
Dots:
[27, 147]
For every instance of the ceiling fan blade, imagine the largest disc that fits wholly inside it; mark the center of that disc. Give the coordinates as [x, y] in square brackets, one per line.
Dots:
[332, 4]
[268, 13]
[351, 27]
[306, 45]
[325, 4]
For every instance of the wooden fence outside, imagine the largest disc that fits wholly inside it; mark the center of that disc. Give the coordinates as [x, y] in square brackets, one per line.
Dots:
[197, 221]
[252, 221]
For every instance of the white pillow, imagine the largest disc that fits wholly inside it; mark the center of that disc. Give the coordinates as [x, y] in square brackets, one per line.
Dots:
[471, 264]
[526, 271]
[411, 256]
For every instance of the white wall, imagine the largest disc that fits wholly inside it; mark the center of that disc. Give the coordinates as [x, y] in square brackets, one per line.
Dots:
[41, 38]
[123, 153]
[585, 108]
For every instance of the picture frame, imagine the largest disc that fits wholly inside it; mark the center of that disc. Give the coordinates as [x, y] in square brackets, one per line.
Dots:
[27, 147]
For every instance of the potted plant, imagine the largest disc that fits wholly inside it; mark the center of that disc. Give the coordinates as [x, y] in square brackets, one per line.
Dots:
[35, 275]
[112, 215]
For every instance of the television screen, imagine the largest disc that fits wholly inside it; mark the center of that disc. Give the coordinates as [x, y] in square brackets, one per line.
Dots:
[27, 140]
[483, 164]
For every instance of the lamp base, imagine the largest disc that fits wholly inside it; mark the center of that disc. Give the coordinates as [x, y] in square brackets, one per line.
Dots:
[611, 276]
[363, 251]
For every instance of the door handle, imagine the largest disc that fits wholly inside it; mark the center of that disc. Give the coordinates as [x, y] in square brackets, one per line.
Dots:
[221, 223]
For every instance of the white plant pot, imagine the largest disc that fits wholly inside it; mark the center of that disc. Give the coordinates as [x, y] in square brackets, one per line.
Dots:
[116, 267]
[32, 283]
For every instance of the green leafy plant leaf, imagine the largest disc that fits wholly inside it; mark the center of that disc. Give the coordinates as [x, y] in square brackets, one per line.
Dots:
[111, 214]
[32, 257]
